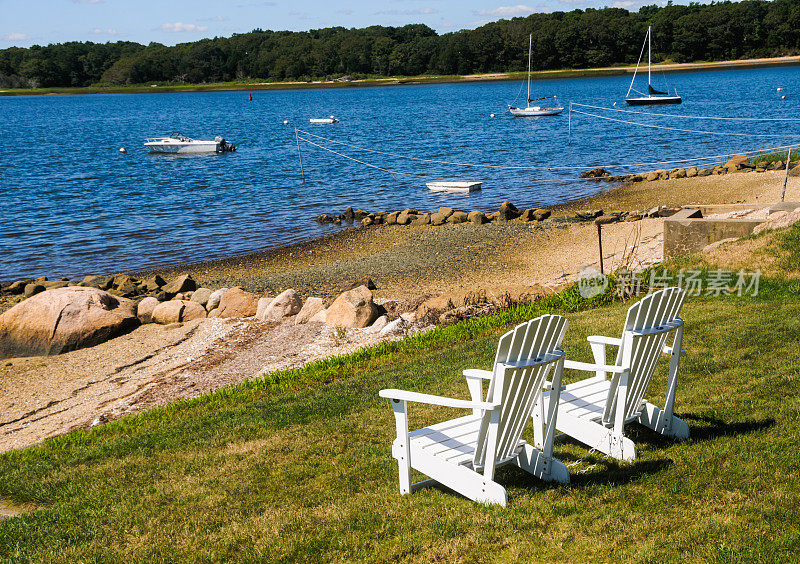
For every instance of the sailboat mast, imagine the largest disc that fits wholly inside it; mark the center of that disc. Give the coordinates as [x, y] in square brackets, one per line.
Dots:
[648, 58]
[530, 46]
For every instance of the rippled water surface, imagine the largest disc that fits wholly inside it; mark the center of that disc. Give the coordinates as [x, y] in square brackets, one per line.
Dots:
[71, 204]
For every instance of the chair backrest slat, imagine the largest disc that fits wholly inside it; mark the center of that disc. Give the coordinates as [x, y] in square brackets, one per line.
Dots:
[647, 325]
[518, 389]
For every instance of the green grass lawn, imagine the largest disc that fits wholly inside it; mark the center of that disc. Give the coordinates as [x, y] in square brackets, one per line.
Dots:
[298, 467]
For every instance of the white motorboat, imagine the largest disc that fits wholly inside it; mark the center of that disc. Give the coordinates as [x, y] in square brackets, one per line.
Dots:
[653, 96]
[330, 119]
[179, 143]
[532, 111]
[458, 187]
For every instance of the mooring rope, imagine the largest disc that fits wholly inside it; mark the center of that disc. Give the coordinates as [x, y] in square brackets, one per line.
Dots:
[362, 162]
[528, 182]
[507, 167]
[724, 133]
[727, 118]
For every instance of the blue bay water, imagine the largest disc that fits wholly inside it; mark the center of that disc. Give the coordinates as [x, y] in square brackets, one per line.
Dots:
[71, 204]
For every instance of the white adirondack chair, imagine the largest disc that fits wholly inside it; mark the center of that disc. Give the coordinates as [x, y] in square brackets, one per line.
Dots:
[595, 410]
[463, 453]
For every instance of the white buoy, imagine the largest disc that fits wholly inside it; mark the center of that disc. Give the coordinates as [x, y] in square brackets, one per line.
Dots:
[331, 117]
[783, 97]
[123, 150]
[491, 115]
[614, 104]
[285, 122]
[779, 88]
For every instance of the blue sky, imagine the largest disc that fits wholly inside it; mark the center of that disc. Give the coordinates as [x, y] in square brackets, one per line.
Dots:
[24, 23]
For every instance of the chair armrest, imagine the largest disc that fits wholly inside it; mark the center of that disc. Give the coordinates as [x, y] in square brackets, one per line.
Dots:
[589, 367]
[613, 341]
[478, 373]
[402, 395]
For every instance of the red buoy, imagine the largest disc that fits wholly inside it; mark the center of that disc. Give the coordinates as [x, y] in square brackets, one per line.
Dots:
[251, 98]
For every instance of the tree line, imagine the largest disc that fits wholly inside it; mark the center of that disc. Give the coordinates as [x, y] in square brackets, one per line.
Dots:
[561, 40]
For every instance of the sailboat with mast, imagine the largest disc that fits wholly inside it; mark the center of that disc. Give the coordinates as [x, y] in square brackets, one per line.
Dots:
[534, 110]
[653, 96]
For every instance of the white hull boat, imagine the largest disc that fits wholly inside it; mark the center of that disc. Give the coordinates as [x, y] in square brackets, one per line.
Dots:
[324, 120]
[458, 187]
[180, 144]
[653, 96]
[533, 111]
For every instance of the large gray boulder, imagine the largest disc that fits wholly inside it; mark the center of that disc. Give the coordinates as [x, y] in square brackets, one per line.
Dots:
[64, 319]
[353, 308]
[214, 299]
[311, 308]
[285, 304]
[201, 296]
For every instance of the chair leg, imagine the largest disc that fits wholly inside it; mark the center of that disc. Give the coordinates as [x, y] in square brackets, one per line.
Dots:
[656, 419]
[537, 418]
[546, 468]
[597, 436]
[461, 479]
[400, 448]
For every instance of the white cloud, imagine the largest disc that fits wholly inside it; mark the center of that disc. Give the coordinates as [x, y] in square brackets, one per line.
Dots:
[179, 27]
[345, 11]
[16, 37]
[507, 11]
[301, 15]
[623, 4]
[214, 19]
[98, 31]
[419, 12]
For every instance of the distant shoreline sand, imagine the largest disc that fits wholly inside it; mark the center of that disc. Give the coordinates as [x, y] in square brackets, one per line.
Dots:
[393, 81]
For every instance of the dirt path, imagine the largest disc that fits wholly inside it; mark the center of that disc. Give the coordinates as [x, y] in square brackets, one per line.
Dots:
[41, 397]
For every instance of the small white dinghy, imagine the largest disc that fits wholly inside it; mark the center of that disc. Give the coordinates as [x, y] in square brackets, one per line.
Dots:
[329, 119]
[458, 187]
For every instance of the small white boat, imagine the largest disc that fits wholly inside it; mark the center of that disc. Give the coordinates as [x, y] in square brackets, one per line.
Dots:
[179, 143]
[330, 119]
[458, 187]
[532, 111]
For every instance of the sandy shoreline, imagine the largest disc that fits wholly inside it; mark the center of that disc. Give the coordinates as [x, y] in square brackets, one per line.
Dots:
[423, 79]
[407, 261]
[154, 365]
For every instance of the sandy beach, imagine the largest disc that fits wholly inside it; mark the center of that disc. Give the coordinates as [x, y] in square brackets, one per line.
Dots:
[154, 365]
